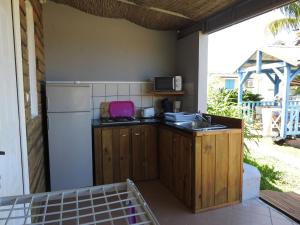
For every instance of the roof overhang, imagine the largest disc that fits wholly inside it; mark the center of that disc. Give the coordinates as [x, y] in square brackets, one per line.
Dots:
[185, 16]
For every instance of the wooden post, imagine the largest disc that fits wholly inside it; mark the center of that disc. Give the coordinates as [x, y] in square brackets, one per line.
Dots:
[258, 62]
[240, 91]
[276, 85]
[285, 100]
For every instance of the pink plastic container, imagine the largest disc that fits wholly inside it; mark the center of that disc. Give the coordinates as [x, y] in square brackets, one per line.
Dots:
[121, 109]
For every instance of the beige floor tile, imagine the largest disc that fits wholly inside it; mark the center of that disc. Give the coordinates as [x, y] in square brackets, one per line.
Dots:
[170, 211]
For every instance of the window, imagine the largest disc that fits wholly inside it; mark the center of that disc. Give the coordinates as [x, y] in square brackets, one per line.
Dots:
[31, 59]
[229, 84]
[249, 84]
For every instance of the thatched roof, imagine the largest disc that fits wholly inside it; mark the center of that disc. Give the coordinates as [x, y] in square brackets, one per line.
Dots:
[176, 14]
[155, 14]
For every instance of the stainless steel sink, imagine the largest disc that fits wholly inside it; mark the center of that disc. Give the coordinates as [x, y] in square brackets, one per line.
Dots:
[200, 125]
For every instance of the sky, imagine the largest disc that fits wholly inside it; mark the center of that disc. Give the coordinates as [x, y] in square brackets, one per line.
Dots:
[229, 48]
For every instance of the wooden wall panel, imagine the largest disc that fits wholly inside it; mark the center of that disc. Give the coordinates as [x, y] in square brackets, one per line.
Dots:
[107, 162]
[208, 170]
[234, 169]
[36, 127]
[222, 147]
[187, 171]
[197, 173]
[124, 154]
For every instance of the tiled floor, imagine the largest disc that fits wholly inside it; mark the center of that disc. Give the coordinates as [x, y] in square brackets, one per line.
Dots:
[169, 211]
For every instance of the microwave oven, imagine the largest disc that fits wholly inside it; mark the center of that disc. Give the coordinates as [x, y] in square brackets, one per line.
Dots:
[168, 83]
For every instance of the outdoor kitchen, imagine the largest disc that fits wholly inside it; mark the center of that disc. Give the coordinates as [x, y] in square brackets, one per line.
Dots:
[124, 137]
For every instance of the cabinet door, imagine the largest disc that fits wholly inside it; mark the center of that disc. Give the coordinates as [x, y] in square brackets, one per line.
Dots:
[150, 146]
[121, 155]
[165, 156]
[138, 153]
[107, 154]
[98, 171]
[124, 154]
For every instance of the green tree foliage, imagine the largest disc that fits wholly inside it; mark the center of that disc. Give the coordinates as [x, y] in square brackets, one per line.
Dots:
[290, 22]
[224, 103]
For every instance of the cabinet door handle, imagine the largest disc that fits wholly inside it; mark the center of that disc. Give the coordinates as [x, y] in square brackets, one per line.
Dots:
[124, 135]
[137, 134]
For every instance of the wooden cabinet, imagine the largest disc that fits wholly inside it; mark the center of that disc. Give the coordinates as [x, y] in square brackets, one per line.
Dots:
[125, 152]
[175, 157]
[111, 155]
[203, 170]
[218, 169]
[144, 153]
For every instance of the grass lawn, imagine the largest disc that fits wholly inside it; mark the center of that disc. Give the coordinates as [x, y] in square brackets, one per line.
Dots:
[279, 165]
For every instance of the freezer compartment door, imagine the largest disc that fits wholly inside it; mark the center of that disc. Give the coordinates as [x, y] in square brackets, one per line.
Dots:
[70, 150]
[68, 98]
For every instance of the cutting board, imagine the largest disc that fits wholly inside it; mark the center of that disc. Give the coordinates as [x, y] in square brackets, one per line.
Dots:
[104, 107]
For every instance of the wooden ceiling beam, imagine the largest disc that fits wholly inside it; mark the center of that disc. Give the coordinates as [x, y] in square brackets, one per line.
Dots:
[238, 12]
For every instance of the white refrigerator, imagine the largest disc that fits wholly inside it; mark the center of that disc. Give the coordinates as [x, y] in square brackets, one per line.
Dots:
[69, 134]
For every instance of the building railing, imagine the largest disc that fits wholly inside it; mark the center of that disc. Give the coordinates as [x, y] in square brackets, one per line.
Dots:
[250, 111]
[293, 121]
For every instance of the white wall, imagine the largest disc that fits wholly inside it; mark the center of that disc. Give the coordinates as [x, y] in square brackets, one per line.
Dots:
[191, 63]
[80, 46]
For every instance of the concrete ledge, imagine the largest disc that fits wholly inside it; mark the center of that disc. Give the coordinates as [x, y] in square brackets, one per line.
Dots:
[251, 182]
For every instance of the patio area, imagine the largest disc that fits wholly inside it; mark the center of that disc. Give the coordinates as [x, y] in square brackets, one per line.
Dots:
[169, 211]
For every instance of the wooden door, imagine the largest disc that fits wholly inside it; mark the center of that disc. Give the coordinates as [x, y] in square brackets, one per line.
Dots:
[124, 152]
[150, 145]
[111, 155]
[107, 155]
[138, 153]
[165, 156]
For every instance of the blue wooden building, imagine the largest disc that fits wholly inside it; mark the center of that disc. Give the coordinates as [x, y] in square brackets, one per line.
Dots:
[281, 64]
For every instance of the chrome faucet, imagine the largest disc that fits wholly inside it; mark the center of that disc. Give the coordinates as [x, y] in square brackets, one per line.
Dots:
[200, 117]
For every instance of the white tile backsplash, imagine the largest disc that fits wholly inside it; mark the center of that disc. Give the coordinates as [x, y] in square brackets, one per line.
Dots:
[135, 89]
[138, 92]
[97, 101]
[147, 101]
[111, 89]
[137, 100]
[123, 89]
[123, 98]
[111, 98]
[98, 89]
[96, 114]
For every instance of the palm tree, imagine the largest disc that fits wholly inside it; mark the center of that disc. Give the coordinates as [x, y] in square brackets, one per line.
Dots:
[290, 22]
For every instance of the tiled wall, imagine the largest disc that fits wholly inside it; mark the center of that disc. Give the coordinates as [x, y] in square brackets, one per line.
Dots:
[138, 92]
